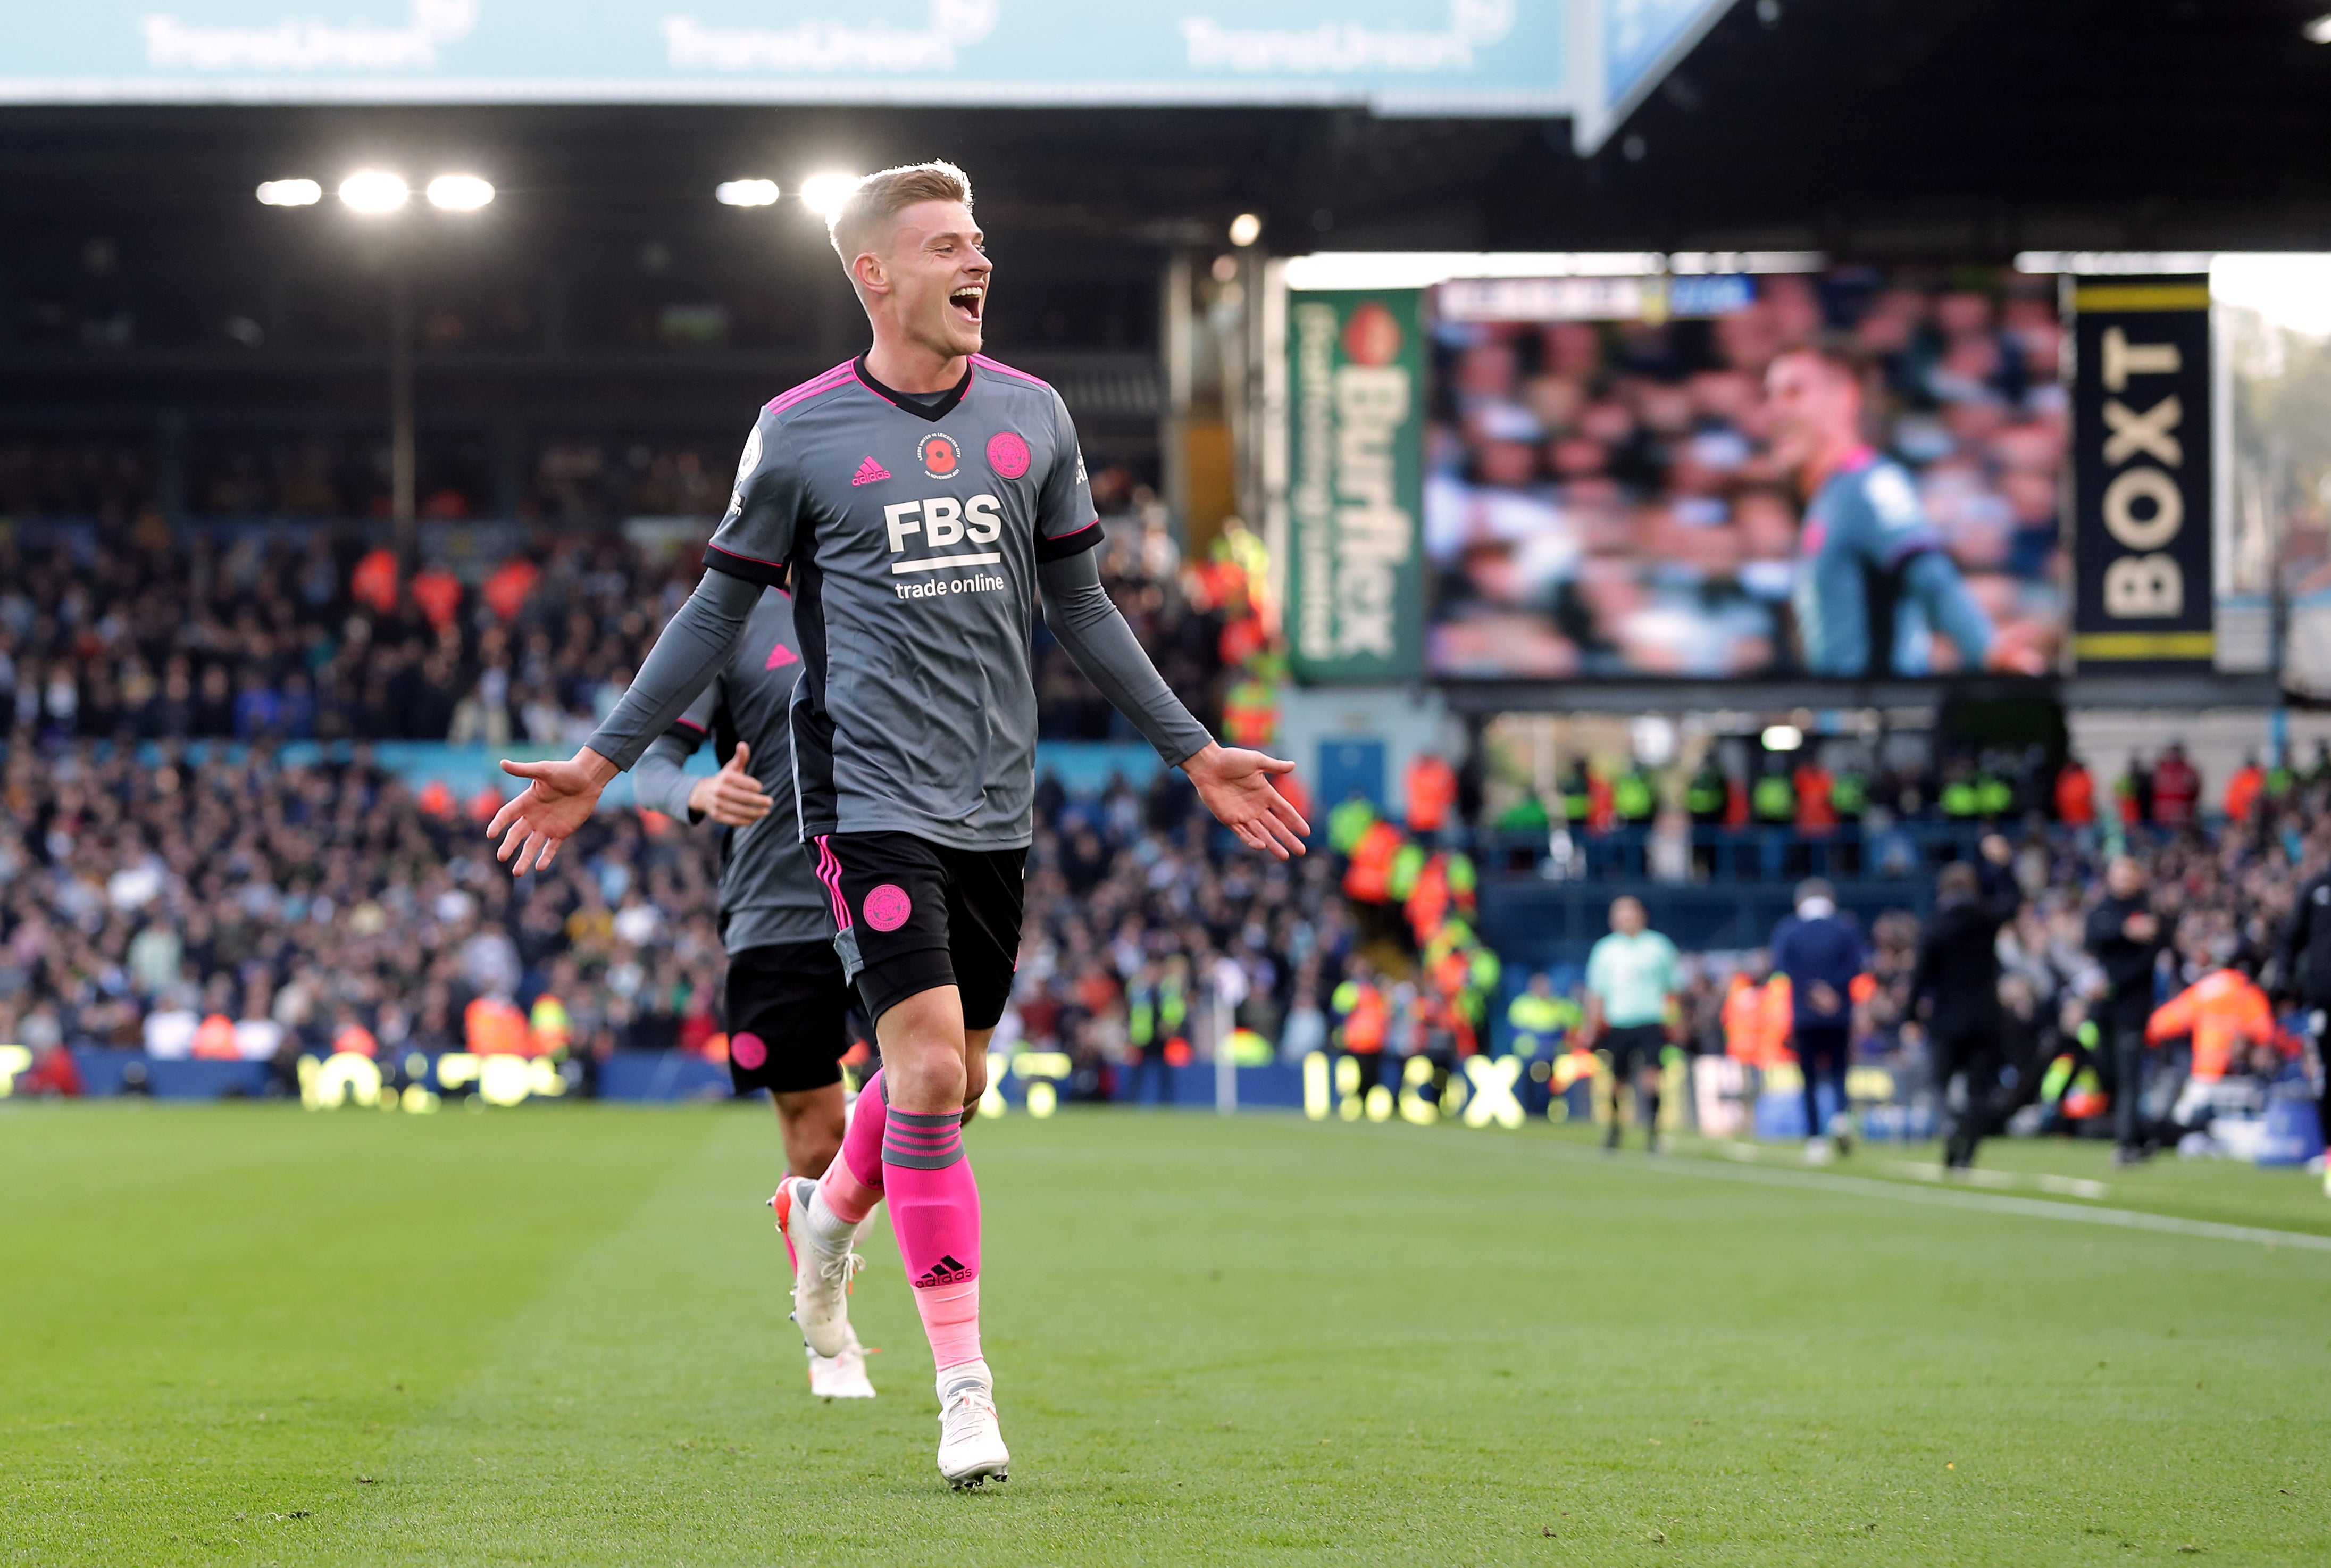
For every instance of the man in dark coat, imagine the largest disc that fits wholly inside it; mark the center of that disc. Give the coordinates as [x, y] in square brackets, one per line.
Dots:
[2126, 937]
[1955, 988]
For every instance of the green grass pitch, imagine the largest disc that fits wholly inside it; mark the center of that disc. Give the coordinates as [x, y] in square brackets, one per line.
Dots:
[252, 1334]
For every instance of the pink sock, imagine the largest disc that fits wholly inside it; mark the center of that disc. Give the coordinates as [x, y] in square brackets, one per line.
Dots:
[934, 1211]
[852, 1184]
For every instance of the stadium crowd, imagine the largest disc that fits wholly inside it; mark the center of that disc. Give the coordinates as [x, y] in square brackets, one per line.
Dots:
[313, 632]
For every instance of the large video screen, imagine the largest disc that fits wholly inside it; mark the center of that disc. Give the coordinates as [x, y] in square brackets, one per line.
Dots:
[1852, 474]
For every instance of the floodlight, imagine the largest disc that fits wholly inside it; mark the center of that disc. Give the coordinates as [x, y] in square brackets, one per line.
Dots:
[824, 193]
[1245, 229]
[290, 193]
[374, 191]
[746, 193]
[2317, 31]
[459, 193]
[1783, 737]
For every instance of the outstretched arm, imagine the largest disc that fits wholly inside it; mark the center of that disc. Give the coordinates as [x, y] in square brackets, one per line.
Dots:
[560, 796]
[1235, 783]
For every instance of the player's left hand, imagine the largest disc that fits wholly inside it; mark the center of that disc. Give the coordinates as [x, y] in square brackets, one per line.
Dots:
[1235, 783]
[560, 798]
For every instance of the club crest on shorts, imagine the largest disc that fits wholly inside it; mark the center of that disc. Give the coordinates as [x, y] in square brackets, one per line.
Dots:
[940, 455]
[887, 907]
[1007, 454]
[746, 1050]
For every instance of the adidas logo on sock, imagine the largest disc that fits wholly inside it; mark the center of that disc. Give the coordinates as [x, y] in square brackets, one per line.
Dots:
[869, 473]
[945, 1272]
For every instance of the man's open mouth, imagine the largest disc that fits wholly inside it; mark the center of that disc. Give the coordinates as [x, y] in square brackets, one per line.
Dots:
[968, 301]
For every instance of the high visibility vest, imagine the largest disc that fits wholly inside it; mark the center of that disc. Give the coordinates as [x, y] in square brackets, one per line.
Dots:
[2076, 797]
[1173, 1005]
[355, 1039]
[1961, 798]
[1577, 799]
[1780, 1021]
[1849, 794]
[1744, 1020]
[1407, 865]
[550, 1026]
[2243, 791]
[1632, 797]
[1346, 822]
[1993, 796]
[493, 1026]
[1774, 800]
[1432, 793]
[1428, 898]
[1526, 816]
[1539, 1021]
[214, 1039]
[1141, 1016]
[1704, 795]
[1250, 713]
[1366, 1018]
[1368, 879]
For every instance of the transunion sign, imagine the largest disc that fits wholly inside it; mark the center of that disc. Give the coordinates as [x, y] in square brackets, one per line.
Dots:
[1591, 60]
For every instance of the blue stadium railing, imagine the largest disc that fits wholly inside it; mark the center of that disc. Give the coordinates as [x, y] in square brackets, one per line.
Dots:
[1742, 882]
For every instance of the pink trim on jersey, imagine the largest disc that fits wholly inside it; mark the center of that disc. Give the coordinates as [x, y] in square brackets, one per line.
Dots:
[983, 360]
[740, 555]
[826, 381]
[829, 871]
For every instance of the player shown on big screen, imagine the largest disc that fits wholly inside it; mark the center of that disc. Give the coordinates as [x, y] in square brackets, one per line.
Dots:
[1873, 582]
[914, 500]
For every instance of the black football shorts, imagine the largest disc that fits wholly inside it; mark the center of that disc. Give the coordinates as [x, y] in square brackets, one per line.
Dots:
[789, 1017]
[911, 916]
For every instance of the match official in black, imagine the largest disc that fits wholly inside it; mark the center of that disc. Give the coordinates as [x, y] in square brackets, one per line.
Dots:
[1955, 990]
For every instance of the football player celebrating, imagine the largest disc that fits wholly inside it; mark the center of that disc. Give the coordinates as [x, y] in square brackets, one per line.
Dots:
[918, 498]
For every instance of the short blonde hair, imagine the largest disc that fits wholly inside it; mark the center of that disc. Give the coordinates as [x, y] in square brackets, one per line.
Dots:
[878, 198]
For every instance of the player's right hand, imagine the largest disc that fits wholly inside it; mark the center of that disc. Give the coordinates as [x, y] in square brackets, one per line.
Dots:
[560, 799]
[731, 797]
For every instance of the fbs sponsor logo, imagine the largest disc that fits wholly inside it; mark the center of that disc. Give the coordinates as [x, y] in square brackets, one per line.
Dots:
[940, 455]
[870, 473]
[945, 1272]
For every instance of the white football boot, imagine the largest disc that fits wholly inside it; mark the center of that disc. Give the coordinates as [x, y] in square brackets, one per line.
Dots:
[971, 1440]
[821, 1270]
[839, 1377]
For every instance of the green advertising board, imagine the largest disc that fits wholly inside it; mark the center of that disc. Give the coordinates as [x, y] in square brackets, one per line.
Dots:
[1354, 484]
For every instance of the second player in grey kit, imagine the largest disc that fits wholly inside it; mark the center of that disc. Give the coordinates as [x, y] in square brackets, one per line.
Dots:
[788, 1002]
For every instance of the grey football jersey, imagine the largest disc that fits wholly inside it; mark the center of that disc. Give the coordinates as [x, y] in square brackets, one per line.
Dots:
[768, 891]
[912, 540]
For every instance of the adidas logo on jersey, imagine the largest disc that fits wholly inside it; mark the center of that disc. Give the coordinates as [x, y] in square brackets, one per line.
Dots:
[945, 1272]
[870, 473]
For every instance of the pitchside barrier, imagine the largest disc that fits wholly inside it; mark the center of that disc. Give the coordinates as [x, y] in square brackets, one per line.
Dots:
[1711, 1095]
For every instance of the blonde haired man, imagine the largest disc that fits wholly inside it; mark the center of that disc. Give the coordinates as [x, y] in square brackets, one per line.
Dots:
[914, 500]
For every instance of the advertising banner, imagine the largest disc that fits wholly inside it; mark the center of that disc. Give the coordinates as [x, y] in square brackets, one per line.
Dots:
[1354, 477]
[2141, 540]
[1399, 56]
